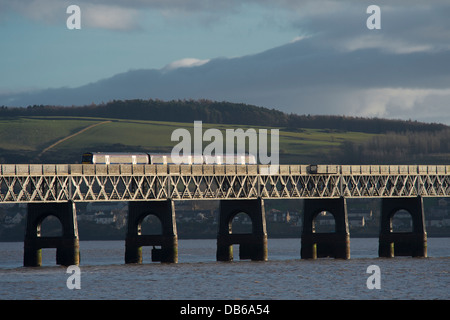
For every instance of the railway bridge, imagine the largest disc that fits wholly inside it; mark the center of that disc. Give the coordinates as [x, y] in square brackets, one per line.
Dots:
[54, 189]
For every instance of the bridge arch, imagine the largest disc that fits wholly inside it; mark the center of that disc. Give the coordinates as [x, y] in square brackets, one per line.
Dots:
[49, 225]
[66, 242]
[333, 241]
[401, 221]
[253, 241]
[402, 215]
[149, 223]
[240, 223]
[407, 242]
[323, 221]
[164, 243]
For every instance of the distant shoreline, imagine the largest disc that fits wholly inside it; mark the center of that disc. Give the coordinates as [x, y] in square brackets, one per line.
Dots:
[209, 238]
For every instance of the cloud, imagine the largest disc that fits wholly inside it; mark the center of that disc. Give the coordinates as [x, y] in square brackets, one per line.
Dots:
[401, 103]
[93, 15]
[110, 17]
[115, 14]
[425, 104]
[406, 26]
[48, 11]
[338, 23]
[185, 63]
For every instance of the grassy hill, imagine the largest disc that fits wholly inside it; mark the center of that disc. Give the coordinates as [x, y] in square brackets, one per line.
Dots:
[54, 134]
[64, 139]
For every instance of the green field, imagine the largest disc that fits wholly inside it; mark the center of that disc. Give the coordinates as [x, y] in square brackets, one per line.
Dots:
[64, 139]
[30, 134]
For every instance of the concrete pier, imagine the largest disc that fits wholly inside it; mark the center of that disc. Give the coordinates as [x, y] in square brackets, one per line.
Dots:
[331, 244]
[67, 245]
[251, 245]
[165, 245]
[402, 243]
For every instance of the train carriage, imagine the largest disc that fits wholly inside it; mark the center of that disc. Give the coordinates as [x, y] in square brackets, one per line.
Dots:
[164, 158]
[115, 158]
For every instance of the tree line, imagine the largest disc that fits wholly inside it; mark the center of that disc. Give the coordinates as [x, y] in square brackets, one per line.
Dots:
[221, 113]
[428, 147]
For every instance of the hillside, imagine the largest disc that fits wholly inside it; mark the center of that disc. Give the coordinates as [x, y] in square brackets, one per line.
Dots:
[64, 139]
[52, 134]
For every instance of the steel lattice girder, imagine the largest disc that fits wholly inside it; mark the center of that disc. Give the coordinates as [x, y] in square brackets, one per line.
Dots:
[59, 183]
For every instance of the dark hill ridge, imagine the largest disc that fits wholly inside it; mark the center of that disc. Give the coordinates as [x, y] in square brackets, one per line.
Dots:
[221, 113]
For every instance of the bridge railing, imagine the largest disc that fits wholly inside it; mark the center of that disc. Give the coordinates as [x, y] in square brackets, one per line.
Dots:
[123, 169]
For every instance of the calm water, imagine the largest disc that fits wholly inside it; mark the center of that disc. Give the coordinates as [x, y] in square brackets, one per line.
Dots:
[198, 276]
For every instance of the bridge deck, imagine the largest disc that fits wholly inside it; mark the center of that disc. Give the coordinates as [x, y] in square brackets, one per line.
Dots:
[24, 183]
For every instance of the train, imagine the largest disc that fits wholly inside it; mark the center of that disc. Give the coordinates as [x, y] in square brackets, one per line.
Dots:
[163, 158]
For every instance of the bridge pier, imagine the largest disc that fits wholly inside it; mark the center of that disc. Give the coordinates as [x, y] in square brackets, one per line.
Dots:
[251, 245]
[402, 243]
[67, 245]
[168, 240]
[317, 245]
